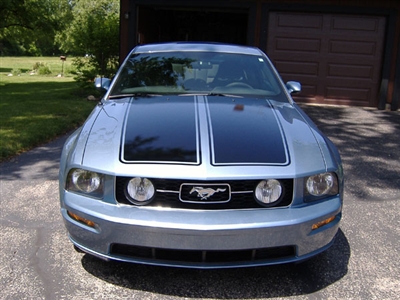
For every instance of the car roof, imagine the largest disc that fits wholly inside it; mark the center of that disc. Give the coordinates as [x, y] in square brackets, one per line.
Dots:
[191, 46]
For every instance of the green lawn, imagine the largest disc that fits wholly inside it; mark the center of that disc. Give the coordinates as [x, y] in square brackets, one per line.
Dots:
[25, 64]
[35, 109]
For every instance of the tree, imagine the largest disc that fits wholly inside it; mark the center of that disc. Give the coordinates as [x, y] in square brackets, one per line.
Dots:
[29, 26]
[93, 33]
[84, 28]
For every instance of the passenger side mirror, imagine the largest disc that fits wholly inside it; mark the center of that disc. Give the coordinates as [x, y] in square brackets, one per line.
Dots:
[293, 87]
[102, 84]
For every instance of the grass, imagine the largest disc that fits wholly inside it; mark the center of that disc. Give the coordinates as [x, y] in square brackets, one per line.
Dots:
[35, 109]
[25, 64]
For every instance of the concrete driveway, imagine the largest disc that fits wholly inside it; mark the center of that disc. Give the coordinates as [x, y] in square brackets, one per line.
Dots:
[37, 261]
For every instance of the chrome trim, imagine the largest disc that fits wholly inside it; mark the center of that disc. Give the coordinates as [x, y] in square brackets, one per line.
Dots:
[167, 191]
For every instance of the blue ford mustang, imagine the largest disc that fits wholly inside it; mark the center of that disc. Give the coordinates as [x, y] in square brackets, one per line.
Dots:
[198, 157]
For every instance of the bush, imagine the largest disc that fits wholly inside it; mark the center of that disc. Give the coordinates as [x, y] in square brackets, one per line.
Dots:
[41, 68]
[44, 70]
[16, 72]
[69, 69]
[36, 66]
[85, 71]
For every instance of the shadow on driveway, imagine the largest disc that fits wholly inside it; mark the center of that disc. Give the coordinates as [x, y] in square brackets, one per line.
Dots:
[40, 163]
[369, 144]
[245, 283]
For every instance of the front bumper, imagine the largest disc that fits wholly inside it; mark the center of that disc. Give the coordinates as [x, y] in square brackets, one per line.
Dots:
[200, 239]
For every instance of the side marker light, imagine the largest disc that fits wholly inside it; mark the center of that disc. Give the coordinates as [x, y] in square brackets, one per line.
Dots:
[81, 219]
[323, 223]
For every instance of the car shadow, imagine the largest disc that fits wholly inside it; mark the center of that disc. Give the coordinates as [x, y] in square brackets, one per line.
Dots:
[238, 283]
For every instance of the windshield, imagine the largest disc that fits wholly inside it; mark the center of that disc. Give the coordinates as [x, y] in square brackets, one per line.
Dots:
[196, 73]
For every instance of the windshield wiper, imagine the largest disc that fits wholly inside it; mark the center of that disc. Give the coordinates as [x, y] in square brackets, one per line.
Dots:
[223, 95]
[135, 95]
[210, 94]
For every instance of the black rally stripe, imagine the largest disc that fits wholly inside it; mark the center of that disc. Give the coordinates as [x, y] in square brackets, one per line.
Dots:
[245, 131]
[162, 129]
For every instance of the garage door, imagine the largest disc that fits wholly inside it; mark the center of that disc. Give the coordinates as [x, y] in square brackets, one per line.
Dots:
[165, 24]
[337, 58]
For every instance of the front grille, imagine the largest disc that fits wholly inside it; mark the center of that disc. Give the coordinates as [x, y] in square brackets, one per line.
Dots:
[202, 256]
[168, 194]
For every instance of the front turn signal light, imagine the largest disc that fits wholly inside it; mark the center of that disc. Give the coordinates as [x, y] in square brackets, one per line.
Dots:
[81, 219]
[323, 223]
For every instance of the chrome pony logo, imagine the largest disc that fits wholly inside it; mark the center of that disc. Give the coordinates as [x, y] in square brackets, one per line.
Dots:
[205, 193]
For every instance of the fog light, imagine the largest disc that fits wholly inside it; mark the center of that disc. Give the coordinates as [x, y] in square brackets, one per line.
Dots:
[81, 219]
[268, 191]
[140, 191]
[323, 223]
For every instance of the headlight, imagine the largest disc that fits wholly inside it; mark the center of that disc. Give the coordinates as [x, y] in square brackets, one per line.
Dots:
[268, 191]
[140, 191]
[322, 184]
[86, 182]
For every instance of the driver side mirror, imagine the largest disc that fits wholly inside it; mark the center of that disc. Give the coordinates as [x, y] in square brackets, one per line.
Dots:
[293, 87]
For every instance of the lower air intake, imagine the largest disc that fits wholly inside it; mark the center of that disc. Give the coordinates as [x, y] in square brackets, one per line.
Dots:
[197, 256]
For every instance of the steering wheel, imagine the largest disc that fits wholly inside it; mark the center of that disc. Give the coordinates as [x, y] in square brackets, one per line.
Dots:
[239, 84]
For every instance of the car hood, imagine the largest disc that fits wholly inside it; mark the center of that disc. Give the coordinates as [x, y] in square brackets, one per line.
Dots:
[186, 133]
[181, 129]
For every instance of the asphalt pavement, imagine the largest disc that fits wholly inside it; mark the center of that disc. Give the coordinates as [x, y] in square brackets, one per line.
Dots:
[37, 261]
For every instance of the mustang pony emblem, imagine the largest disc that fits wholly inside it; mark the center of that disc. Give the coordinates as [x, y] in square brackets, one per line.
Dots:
[204, 193]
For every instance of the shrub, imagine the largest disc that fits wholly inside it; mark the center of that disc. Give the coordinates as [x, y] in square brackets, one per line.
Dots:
[41, 68]
[44, 70]
[36, 66]
[85, 71]
[16, 72]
